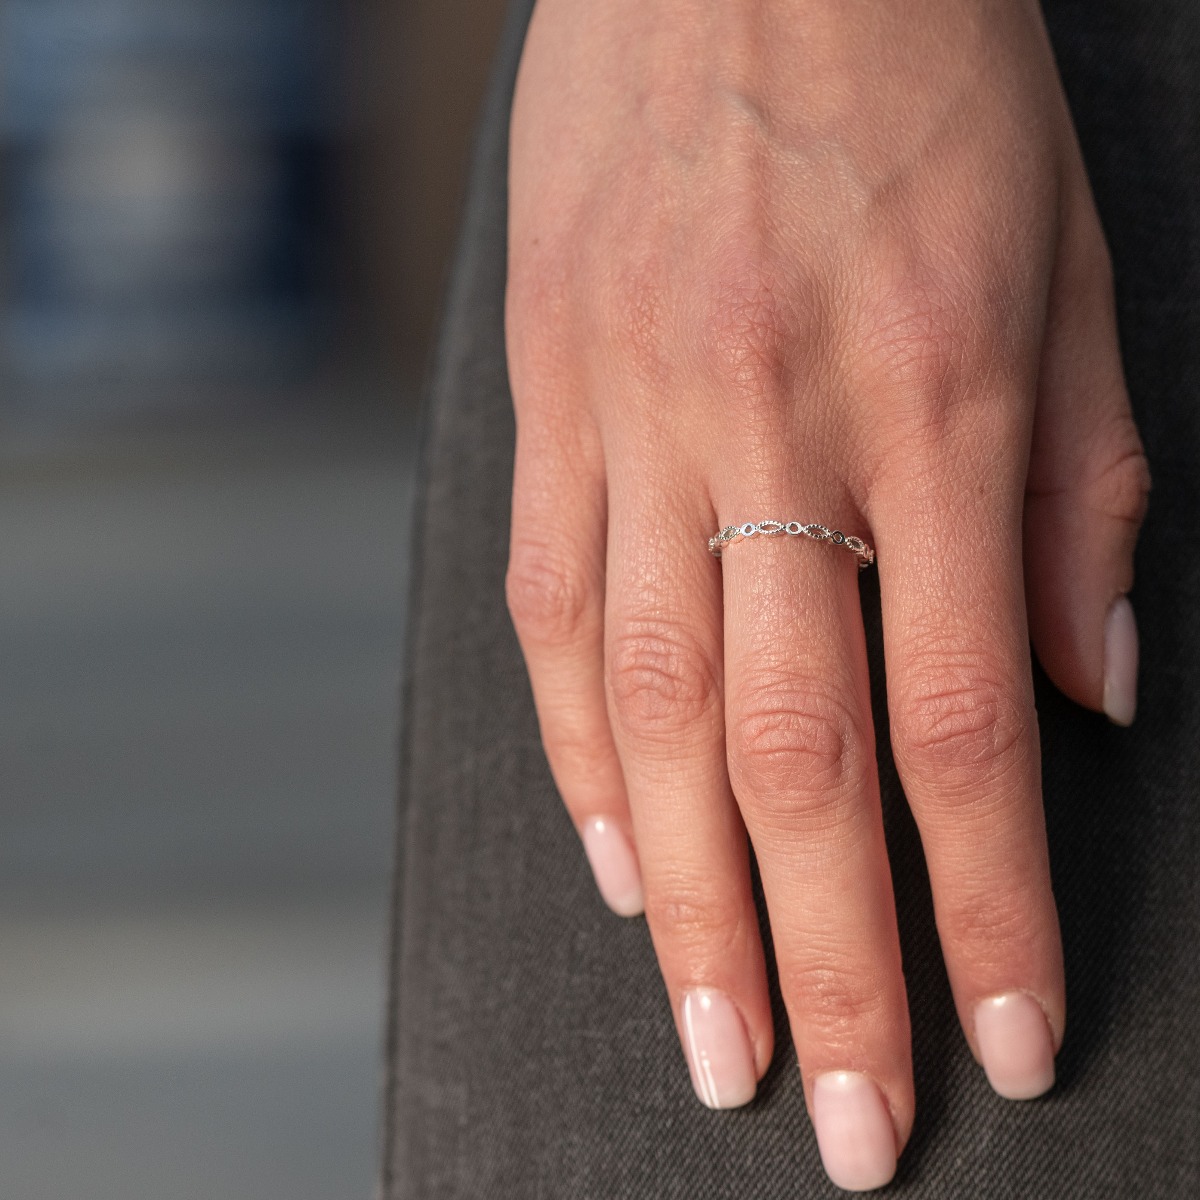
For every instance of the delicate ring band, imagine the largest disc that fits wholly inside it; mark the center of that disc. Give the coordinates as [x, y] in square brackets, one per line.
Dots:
[819, 533]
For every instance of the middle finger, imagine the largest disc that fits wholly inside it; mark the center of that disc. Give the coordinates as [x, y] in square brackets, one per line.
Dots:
[662, 646]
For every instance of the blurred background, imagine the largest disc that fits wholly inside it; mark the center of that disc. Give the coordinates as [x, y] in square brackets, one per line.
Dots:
[224, 231]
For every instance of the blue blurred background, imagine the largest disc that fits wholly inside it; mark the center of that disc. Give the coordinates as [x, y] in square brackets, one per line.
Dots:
[223, 239]
[167, 174]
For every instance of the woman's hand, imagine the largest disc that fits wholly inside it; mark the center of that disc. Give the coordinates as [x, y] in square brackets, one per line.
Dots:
[829, 261]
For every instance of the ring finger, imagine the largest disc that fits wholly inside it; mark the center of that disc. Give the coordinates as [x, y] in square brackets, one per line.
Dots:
[801, 758]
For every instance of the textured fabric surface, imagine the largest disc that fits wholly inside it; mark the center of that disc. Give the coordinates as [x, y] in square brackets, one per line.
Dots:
[531, 1052]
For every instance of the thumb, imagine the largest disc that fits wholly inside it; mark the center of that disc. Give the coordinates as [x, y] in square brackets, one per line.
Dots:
[1088, 486]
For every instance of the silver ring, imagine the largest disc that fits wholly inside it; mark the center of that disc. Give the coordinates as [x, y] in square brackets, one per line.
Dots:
[819, 533]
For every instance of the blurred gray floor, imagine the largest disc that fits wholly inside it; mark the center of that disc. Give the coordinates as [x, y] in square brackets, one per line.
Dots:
[200, 633]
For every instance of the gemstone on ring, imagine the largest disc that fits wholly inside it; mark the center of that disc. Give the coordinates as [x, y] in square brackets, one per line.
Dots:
[773, 528]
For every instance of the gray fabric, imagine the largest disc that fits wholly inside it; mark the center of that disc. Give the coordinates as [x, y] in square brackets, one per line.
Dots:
[530, 1050]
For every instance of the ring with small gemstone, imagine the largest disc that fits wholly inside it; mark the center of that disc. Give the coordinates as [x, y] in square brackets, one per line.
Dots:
[819, 533]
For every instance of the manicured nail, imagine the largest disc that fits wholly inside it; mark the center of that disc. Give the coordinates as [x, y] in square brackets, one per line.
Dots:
[1120, 663]
[1016, 1045]
[615, 866]
[719, 1053]
[855, 1133]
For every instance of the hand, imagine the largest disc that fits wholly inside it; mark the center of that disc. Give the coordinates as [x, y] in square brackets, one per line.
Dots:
[834, 261]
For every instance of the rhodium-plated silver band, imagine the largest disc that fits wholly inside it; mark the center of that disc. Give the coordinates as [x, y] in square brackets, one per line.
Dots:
[819, 533]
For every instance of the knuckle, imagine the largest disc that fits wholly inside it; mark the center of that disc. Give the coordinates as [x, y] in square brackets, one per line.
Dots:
[752, 317]
[917, 343]
[743, 333]
[935, 354]
[582, 766]
[697, 920]
[631, 315]
[956, 720]
[834, 996]
[788, 742]
[987, 929]
[1121, 488]
[548, 600]
[659, 679]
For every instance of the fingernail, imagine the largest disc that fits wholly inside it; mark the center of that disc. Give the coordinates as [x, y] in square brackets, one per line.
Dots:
[1120, 663]
[719, 1053]
[615, 866]
[1016, 1045]
[855, 1133]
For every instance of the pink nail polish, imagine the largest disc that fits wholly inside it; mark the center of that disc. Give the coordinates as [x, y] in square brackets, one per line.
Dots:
[855, 1133]
[719, 1054]
[615, 866]
[1120, 663]
[1016, 1045]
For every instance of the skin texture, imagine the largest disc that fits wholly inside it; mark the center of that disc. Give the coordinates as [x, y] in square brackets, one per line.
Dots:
[824, 260]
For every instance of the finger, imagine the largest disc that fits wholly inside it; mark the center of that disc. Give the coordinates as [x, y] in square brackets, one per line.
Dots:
[802, 762]
[964, 733]
[555, 593]
[1088, 485]
[663, 648]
